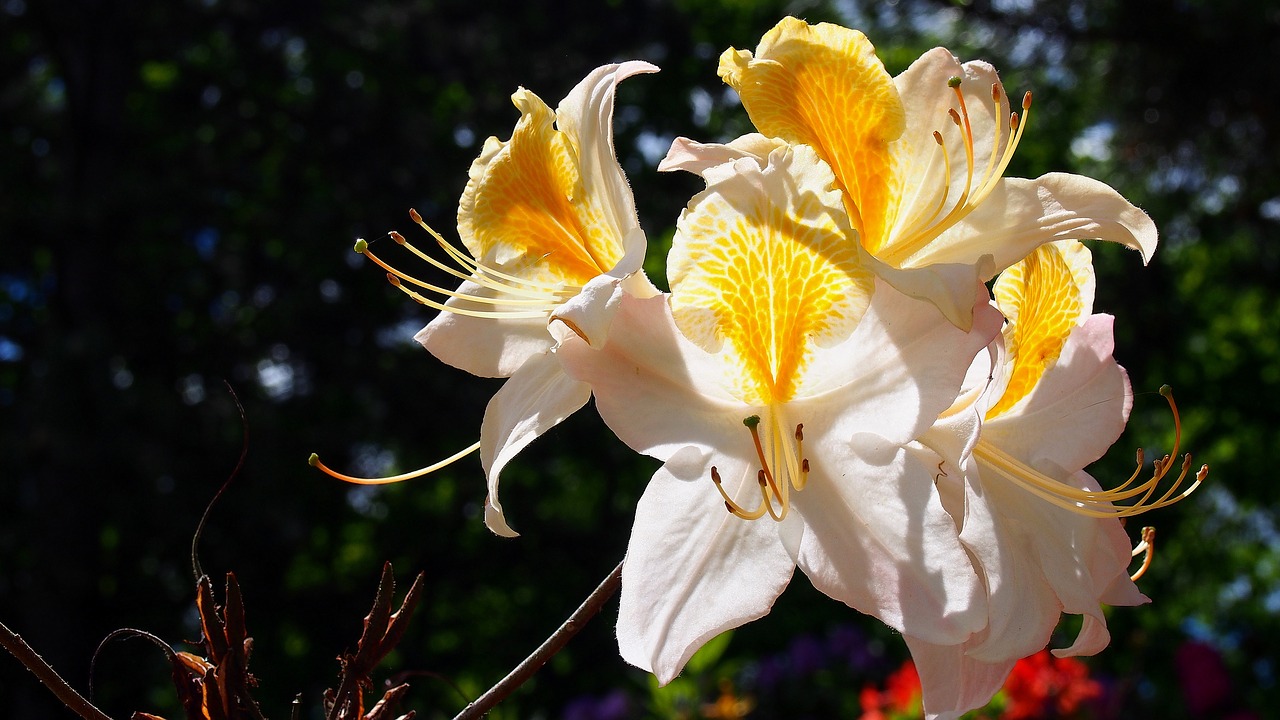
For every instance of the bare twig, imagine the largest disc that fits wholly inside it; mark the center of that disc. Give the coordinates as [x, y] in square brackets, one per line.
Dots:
[59, 687]
[552, 645]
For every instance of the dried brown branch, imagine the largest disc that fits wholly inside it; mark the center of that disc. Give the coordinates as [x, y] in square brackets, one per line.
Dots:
[46, 675]
[552, 645]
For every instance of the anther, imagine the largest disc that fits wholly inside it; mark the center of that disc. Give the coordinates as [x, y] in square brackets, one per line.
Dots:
[1147, 549]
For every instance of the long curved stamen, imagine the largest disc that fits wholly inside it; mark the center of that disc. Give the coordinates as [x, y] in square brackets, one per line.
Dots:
[1146, 549]
[519, 297]
[314, 461]
[775, 496]
[977, 188]
[1101, 503]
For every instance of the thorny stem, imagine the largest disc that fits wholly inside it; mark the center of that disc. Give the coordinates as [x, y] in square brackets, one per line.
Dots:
[59, 687]
[552, 645]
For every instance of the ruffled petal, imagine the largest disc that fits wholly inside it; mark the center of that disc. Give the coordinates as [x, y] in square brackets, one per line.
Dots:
[585, 116]
[535, 399]
[1020, 215]
[877, 538]
[692, 569]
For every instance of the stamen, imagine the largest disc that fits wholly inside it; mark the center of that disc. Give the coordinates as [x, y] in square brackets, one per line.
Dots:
[1146, 549]
[528, 298]
[774, 495]
[916, 234]
[314, 461]
[1101, 504]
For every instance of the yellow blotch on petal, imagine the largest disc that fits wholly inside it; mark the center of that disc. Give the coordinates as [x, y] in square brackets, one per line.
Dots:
[823, 86]
[524, 208]
[769, 272]
[1043, 299]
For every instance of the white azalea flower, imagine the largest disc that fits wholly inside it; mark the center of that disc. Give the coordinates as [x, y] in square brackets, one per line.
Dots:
[919, 158]
[1046, 536]
[781, 384]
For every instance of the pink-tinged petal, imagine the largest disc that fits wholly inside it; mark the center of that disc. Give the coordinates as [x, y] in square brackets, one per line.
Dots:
[1080, 559]
[902, 365]
[951, 682]
[487, 347]
[535, 399]
[1077, 409]
[585, 116]
[1020, 215]
[1023, 608]
[699, 158]
[657, 391]
[877, 538]
[693, 570]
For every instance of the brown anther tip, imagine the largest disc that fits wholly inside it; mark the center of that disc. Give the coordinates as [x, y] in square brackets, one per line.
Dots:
[729, 507]
[393, 279]
[414, 216]
[937, 137]
[804, 465]
[1026, 100]
[955, 116]
[715, 475]
[995, 92]
[762, 478]
[1013, 121]
[800, 432]
[1203, 473]
[397, 237]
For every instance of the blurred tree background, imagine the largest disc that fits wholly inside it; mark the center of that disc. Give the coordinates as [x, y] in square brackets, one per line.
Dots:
[181, 182]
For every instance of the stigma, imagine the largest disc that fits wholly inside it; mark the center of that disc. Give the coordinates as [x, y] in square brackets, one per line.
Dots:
[975, 179]
[783, 468]
[1130, 498]
[500, 295]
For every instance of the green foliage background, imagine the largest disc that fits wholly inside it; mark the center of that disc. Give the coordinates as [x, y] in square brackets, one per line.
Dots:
[180, 185]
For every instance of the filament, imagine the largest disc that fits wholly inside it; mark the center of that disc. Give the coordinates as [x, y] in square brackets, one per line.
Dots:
[775, 495]
[314, 461]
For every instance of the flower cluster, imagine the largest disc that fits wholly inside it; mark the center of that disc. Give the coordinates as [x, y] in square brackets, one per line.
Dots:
[877, 362]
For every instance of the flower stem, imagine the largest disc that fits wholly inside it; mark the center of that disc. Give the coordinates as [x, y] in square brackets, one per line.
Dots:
[59, 687]
[552, 645]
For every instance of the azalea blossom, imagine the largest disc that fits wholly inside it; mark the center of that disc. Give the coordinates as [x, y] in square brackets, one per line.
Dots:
[919, 159]
[550, 232]
[1047, 401]
[781, 384]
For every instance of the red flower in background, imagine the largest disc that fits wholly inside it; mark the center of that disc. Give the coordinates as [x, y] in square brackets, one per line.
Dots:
[901, 697]
[1046, 686]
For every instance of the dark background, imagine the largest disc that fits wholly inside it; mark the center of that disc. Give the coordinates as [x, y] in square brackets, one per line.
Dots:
[180, 185]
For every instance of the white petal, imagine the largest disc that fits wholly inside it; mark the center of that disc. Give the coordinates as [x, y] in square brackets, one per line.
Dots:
[538, 397]
[701, 158]
[487, 347]
[951, 682]
[692, 569]
[585, 115]
[590, 312]
[877, 537]
[948, 286]
[657, 391]
[902, 366]
[1076, 411]
[1020, 215]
